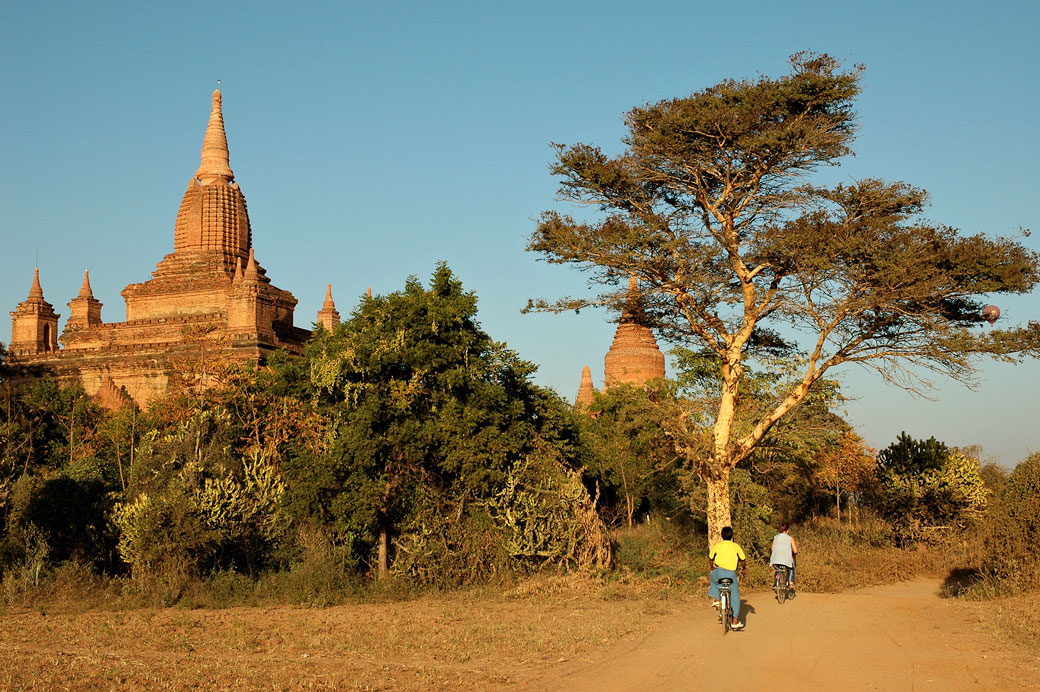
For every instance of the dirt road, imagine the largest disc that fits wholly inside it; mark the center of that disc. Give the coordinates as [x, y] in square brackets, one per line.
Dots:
[899, 637]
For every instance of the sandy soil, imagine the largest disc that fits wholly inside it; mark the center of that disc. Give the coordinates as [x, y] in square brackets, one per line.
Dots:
[899, 637]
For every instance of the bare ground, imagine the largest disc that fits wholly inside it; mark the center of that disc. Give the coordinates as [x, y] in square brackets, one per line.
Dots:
[557, 636]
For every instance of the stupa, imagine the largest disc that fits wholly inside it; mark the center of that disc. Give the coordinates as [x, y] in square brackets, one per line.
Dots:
[207, 299]
[634, 357]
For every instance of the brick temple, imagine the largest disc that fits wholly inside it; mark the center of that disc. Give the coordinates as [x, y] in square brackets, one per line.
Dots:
[633, 358]
[208, 299]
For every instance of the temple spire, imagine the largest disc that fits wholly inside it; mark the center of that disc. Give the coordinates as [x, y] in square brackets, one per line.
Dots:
[85, 290]
[215, 167]
[634, 357]
[251, 270]
[36, 291]
[328, 316]
[586, 391]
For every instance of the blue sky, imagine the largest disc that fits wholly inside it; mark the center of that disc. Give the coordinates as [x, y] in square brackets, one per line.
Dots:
[373, 139]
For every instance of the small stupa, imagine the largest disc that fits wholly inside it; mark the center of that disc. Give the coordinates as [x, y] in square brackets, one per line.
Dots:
[586, 391]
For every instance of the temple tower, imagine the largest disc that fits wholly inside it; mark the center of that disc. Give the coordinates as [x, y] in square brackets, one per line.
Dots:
[34, 324]
[634, 357]
[213, 217]
[207, 299]
[328, 316]
[84, 309]
[212, 245]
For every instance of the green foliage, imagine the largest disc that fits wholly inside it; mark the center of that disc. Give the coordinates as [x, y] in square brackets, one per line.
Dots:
[1011, 530]
[922, 485]
[447, 545]
[206, 523]
[320, 573]
[752, 514]
[662, 548]
[548, 516]
[162, 532]
[428, 415]
[789, 459]
[630, 457]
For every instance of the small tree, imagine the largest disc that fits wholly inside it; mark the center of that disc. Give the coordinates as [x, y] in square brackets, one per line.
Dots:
[711, 208]
[845, 467]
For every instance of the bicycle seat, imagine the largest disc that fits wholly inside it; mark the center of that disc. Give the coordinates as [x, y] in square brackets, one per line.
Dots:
[725, 581]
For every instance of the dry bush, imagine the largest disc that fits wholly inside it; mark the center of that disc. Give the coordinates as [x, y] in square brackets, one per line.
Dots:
[833, 556]
[322, 573]
[1009, 538]
[661, 548]
[69, 586]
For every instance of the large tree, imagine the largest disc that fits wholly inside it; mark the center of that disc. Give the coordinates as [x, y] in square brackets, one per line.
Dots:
[426, 406]
[711, 207]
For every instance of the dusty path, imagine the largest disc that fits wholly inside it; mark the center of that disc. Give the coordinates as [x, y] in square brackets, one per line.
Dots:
[898, 637]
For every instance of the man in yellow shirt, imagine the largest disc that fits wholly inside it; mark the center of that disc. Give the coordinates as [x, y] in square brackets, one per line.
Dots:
[725, 557]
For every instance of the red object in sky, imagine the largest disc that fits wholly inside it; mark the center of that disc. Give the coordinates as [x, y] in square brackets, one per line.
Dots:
[990, 313]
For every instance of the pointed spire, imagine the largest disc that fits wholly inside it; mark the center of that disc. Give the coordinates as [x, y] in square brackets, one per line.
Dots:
[328, 316]
[215, 167]
[251, 272]
[238, 271]
[632, 302]
[586, 392]
[36, 291]
[84, 290]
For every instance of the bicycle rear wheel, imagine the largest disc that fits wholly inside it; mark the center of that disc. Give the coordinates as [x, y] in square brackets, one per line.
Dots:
[780, 584]
[727, 613]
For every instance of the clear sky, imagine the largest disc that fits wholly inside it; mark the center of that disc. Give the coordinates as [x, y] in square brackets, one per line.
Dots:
[373, 139]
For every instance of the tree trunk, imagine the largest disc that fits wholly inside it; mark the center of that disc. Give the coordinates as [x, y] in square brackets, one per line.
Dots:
[382, 569]
[718, 506]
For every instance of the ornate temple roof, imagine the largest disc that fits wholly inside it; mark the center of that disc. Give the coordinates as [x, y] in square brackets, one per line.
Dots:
[213, 217]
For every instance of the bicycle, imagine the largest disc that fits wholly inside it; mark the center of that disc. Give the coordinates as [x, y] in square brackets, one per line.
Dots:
[725, 607]
[780, 585]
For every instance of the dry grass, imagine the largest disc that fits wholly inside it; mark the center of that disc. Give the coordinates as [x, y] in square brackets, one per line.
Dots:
[474, 640]
[464, 641]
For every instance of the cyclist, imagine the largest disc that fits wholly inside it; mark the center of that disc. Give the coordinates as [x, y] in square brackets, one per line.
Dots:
[725, 557]
[784, 551]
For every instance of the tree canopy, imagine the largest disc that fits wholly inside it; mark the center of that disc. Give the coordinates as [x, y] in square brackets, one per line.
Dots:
[712, 207]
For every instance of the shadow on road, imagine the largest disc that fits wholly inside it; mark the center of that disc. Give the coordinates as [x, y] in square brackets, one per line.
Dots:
[958, 580]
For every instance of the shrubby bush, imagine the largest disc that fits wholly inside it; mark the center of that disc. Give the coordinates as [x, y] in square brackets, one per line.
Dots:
[1011, 530]
[922, 485]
